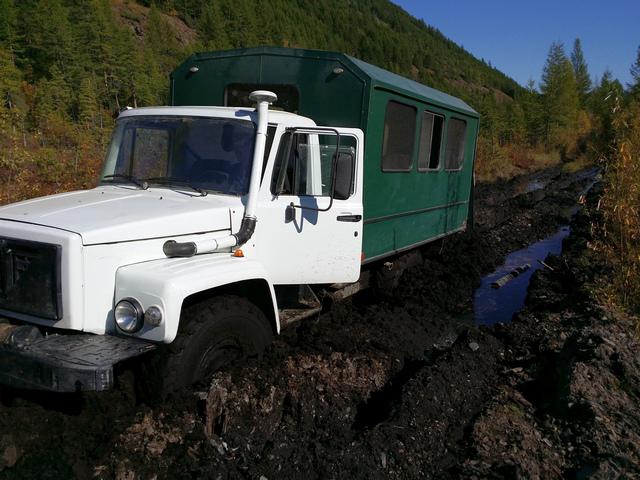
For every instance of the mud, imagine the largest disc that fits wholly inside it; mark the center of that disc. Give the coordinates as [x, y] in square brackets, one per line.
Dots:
[404, 386]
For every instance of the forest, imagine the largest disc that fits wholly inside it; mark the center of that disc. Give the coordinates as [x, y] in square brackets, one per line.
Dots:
[402, 380]
[67, 67]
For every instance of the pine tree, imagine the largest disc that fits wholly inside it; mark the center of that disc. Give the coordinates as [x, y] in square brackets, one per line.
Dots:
[9, 80]
[88, 109]
[211, 27]
[48, 37]
[602, 102]
[54, 97]
[583, 80]
[8, 19]
[560, 94]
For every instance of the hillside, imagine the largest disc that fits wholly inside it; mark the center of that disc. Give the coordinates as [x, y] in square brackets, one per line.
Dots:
[67, 67]
[376, 31]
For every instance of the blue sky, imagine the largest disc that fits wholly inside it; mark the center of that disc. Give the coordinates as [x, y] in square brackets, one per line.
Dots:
[515, 35]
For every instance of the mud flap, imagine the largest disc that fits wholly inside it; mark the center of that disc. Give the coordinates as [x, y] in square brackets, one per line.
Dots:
[67, 363]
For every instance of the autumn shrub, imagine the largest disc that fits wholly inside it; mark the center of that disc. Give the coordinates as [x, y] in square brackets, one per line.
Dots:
[495, 162]
[620, 204]
[57, 159]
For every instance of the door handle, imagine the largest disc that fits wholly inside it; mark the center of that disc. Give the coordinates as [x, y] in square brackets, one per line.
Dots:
[349, 218]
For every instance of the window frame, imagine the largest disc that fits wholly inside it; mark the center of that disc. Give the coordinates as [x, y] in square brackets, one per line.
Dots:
[442, 138]
[464, 141]
[413, 145]
[286, 140]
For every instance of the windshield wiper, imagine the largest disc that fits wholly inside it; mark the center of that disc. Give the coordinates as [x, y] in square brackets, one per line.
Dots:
[177, 182]
[142, 184]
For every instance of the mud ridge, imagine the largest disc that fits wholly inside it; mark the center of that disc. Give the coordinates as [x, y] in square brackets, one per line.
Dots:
[405, 387]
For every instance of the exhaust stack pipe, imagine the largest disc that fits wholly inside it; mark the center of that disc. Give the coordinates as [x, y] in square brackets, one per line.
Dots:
[171, 248]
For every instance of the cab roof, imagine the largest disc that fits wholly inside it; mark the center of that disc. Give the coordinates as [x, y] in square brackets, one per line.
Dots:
[240, 113]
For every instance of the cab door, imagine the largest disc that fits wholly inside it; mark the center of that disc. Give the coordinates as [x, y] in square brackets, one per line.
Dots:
[304, 235]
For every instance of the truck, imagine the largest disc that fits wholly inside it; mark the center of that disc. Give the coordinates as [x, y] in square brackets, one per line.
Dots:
[277, 179]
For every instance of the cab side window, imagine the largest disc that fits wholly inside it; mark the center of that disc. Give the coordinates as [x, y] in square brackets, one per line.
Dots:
[304, 163]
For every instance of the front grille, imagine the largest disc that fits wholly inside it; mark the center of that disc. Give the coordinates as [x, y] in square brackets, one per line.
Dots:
[30, 281]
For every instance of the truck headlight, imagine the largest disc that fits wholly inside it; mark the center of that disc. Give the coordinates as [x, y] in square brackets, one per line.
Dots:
[129, 315]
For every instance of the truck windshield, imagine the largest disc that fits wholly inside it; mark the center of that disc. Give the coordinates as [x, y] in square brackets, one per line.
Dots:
[210, 154]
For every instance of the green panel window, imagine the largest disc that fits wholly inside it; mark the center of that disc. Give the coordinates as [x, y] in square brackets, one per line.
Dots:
[399, 135]
[430, 141]
[456, 135]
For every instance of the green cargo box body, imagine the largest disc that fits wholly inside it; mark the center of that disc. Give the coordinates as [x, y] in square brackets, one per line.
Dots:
[401, 209]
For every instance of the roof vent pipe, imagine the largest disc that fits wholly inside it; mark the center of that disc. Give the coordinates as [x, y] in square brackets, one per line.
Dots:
[172, 248]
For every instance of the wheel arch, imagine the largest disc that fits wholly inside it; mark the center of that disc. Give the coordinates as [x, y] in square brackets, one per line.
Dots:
[168, 283]
[256, 290]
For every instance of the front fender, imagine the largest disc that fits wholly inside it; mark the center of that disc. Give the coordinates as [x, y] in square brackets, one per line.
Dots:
[167, 282]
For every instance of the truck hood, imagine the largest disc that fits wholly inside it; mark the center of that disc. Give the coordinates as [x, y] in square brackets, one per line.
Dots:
[109, 214]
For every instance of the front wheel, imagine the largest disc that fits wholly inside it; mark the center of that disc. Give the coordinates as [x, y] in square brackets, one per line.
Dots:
[213, 333]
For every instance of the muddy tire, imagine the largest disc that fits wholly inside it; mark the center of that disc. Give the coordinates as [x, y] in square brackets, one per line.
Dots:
[213, 333]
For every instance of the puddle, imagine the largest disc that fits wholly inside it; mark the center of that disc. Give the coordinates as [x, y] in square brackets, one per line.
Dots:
[534, 185]
[492, 305]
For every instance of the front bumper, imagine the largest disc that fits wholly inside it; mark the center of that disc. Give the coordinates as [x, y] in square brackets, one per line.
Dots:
[66, 363]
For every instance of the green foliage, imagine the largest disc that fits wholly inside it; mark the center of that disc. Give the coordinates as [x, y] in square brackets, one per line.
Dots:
[47, 37]
[67, 67]
[583, 80]
[211, 27]
[88, 108]
[8, 20]
[53, 97]
[602, 102]
[560, 95]
[9, 80]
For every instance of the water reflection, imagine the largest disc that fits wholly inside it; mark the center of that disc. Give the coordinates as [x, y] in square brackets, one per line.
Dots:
[492, 305]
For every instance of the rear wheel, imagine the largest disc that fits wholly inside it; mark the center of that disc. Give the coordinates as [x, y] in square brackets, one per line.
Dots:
[213, 333]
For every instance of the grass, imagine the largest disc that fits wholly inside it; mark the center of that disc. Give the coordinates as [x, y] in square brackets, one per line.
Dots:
[620, 204]
[495, 162]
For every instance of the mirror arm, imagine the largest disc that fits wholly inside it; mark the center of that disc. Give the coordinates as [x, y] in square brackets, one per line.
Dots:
[315, 209]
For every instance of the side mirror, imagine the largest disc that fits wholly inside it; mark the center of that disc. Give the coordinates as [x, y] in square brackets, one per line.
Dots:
[343, 176]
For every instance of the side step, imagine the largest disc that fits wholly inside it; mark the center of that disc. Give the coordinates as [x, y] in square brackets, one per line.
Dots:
[300, 302]
[340, 291]
[297, 303]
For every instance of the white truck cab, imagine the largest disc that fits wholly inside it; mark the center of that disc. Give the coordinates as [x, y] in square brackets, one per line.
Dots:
[200, 214]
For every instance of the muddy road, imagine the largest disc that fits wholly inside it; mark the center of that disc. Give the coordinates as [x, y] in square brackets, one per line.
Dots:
[401, 385]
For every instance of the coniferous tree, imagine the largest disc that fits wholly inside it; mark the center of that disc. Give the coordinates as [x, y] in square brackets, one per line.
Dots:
[560, 94]
[48, 37]
[54, 97]
[8, 19]
[88, 108]
[583, 80]
[9, 80]
[211, 27]
[533, 113]
[605, 96]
